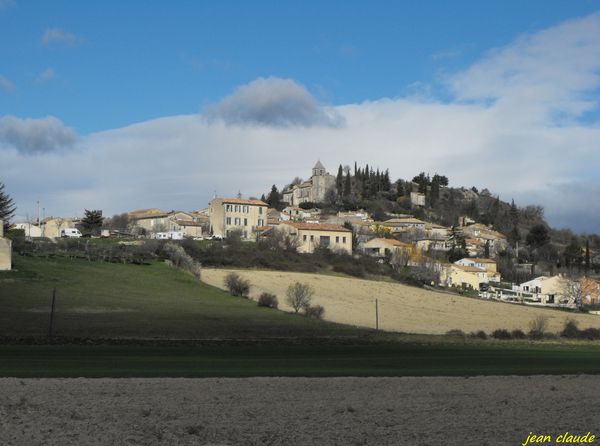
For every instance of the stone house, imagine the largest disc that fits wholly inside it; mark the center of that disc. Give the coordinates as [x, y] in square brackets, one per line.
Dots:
[236, 214]
[310, 236]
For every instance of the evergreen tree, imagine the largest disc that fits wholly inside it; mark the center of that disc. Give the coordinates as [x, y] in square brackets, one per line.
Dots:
[538, 236]
[347, 186]
[400, 188]
[572, 254]
[514, 236]
[587, 256]
[91, 223]
[387, 184]
[514, 213]
[435, 190]
[274, 198]
[7, 206]
[459, 245]
[339, 181]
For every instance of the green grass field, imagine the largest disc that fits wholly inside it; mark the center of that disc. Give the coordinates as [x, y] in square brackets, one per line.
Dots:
[234, 337]
[107, 300]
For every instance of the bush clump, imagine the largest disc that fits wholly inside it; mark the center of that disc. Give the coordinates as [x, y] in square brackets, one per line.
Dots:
[268, 300]
[236, 285]
[518, 334]
[180, 259]
[537, 327]
[316, 311]
[501, 333]
[590, 333]
[480, 334]
[570, 330]
[456, 332]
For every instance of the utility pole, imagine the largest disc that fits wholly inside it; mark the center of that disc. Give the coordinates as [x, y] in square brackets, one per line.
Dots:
[376, 314]
[52, 313]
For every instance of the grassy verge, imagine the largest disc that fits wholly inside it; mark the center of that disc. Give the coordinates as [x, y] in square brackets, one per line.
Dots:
[280, 359]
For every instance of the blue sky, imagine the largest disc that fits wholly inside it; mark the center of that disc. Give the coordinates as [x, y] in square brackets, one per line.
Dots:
[197, 97]
[136, 60]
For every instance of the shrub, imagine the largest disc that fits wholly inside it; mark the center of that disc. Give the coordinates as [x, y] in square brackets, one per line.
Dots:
[315, 311]
[518, 334]
[268, 300]
[299, 296]
[501, 333]
[590, 333]
[538, 326]
[570, 329]
[236, 285]
[479, 334]
[177, 255]
[456, 332]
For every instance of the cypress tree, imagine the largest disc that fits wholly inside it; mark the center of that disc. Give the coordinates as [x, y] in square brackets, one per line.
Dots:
[339, 181]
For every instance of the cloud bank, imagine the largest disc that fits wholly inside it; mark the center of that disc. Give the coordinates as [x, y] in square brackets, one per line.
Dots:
[521, 123]
[34, 136]
[59, 36]
[273, 102]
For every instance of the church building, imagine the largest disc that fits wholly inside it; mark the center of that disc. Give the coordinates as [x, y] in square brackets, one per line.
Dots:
[312, 190]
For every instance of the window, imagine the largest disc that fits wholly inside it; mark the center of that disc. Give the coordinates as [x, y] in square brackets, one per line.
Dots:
[237, 221]
[260, 210]
[304, 237]
[228, 207]
[312, 238]
[261, 222]
[324, 240]
[343, 239]
[237, 208]
[337, 239]
[245, 222]
[228, 220]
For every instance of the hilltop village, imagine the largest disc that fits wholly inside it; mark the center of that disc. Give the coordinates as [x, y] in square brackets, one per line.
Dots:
[442, 235]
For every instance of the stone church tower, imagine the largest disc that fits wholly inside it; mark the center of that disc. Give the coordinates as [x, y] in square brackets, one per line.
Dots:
[312, 190]
[321, 183]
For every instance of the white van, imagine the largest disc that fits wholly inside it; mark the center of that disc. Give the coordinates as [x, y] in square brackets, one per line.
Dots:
[70, 232]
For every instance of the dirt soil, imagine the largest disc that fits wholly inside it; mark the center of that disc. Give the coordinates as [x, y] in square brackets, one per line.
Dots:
[402, 308]
[296, 411]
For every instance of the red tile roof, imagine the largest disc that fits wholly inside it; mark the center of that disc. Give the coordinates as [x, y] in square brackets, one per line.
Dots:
[316, 226]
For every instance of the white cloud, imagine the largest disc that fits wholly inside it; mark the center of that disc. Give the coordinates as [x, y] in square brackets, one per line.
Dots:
[5, 84]
[273, 102]
[58, 35]
[45, 76]
[547, 74]
[30, 136]
[501, 132]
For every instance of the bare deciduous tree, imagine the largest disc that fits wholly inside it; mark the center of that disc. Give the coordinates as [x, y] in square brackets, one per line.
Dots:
[299, 296]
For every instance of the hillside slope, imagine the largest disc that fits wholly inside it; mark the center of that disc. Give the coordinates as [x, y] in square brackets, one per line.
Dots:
[401, 308]
[107, 300]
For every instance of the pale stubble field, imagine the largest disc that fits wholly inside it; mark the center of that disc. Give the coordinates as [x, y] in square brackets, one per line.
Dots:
[402, 308]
